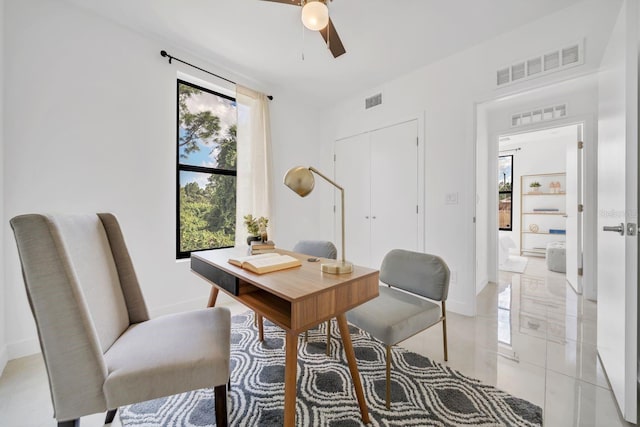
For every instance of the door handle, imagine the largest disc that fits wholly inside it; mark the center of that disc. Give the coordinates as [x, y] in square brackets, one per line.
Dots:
[616, 228]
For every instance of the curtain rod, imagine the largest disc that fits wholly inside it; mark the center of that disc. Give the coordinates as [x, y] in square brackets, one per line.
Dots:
[164, 53]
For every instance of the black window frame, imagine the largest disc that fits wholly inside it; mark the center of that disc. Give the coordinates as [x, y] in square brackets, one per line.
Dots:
[190, 168]
[510, 192]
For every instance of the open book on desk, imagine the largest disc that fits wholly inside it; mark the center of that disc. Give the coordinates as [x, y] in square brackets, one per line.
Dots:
[265, 263]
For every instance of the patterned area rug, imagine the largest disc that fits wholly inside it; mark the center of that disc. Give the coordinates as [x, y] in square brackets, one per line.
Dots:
[424, 393]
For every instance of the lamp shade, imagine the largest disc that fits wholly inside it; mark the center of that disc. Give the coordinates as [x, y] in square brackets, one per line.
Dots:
[300, 180]
[315, 15]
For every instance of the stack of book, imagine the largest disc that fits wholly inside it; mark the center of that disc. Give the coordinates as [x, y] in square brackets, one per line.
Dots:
[260, 247]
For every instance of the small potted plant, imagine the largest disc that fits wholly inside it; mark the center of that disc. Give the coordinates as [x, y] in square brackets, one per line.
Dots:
[535, 187]
[256, 227]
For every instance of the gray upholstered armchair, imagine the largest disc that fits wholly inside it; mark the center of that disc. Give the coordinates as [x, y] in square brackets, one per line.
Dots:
[100, 348]
[398, 314]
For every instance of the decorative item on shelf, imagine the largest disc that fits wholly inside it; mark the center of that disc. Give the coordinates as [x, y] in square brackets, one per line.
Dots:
[557, 231]
[256, 227]
[301, 181]
[555, 187]
[535, 187]
[534, 228]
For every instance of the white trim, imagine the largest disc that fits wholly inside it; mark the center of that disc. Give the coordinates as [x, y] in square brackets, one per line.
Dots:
[462, 308]
[4, 358]
[192, 304]
[25, 347]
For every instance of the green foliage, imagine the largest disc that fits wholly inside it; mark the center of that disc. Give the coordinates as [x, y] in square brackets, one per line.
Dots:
[207, 215]
[535, 184]
[202, 126]
[504, 187]
[255, 224]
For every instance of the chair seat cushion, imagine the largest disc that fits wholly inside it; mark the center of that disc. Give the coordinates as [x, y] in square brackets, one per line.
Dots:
[394, 316]
[169, 355]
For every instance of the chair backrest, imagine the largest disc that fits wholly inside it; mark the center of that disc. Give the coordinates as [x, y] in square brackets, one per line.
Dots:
[83, 294]
[319, 248]
[423, 274]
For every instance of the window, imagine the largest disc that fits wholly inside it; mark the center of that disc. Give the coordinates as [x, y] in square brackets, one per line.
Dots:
[206, 172]
[505, 192]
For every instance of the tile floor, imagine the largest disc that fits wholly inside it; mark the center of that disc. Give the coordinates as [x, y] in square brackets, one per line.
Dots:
[533, 337]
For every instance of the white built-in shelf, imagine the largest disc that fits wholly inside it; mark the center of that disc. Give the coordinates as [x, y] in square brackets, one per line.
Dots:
[551, 184]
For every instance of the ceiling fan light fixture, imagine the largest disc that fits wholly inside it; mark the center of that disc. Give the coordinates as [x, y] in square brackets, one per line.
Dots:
[315, 15]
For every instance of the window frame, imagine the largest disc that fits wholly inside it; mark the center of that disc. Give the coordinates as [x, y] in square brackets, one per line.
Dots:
[510, 192]
[190, 168]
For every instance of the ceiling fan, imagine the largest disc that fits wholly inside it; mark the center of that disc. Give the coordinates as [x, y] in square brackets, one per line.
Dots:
[315, 16]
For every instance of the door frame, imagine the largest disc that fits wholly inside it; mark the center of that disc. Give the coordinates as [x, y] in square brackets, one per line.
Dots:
[589, 189]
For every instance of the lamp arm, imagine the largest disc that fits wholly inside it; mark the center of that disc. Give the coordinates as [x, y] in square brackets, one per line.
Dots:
[321, 175]
[312, 169]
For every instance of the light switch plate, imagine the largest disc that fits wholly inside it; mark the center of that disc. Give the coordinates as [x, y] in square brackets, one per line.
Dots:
[451, 199]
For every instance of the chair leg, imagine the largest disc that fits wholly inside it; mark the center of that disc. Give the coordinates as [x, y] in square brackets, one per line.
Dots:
[388, 377]
[220, 397]
[328, 337]
[111, 414]
[444, 331]
[70, 423]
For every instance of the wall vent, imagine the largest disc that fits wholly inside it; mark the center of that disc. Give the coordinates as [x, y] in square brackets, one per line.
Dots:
[566, 57]
[536, 115]
[372, 101]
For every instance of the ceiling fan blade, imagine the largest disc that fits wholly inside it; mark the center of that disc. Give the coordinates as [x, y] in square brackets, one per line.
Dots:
[330, 36]
[291, 2]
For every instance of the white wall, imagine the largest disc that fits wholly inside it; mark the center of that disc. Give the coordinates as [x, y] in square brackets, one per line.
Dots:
[539, 155]
[447, 93]
[3, 341]
[92, 128]
[483, 188]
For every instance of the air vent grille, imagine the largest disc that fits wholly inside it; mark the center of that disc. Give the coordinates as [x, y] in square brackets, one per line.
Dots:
[549, 62]
[372, 101]
[539, 115]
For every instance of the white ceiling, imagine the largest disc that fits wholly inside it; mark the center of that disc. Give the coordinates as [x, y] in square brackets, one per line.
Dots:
[264, 40]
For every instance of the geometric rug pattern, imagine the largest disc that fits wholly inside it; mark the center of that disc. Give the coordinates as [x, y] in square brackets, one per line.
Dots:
[424, 393]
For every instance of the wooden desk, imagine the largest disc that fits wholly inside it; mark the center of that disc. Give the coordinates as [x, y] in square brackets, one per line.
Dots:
[295, 299]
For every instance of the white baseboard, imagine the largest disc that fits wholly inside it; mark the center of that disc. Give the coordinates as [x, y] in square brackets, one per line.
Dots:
[194, 304]
[483, 283]
[4, 358]
[462, 308]
[22, 348]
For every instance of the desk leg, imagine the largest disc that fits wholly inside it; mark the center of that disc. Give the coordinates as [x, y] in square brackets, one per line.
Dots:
[260, 327]
[353, 367]
[290, 380]
[213, 296]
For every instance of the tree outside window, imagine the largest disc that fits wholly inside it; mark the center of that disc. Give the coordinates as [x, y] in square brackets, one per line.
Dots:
[206, 172]
[505, 192]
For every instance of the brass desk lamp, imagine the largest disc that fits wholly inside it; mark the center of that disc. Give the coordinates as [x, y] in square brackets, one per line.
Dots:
[300, 180]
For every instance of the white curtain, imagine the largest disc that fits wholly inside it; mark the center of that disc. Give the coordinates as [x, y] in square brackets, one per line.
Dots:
[253, 193]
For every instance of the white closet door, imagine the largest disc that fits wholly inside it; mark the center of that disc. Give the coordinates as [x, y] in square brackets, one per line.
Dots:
[353, 174]
[394, 190]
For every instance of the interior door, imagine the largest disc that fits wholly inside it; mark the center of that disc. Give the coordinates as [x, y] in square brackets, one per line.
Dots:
[574, 216]
[352, 172]
[617, 207]
[394, 190]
